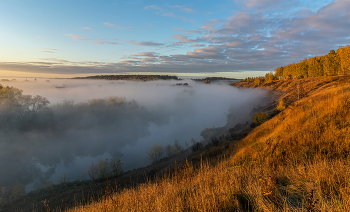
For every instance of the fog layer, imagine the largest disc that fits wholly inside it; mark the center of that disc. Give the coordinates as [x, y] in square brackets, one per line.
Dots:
[75, 122]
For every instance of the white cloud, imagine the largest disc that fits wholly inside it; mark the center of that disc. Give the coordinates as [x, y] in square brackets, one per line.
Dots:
[76, 37]
[108, 24]
[154, 7]
[184, 8]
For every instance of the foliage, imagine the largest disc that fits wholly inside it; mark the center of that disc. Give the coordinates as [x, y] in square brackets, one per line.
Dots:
[269, 77]
[207, 133]
[196, 146]
[334, 63]
[281, 106]
[105, 168]
[155, 152]
[177, 148]
[257, 81]
[8, 194]
[259, 118]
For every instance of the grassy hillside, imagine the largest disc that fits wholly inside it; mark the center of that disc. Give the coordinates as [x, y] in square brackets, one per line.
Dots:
[296, 161]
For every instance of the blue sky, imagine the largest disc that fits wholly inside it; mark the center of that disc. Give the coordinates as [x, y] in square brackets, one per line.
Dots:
[234, 38]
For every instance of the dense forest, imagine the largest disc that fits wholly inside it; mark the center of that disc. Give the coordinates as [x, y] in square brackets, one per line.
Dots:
[131, 77]
[331, 64]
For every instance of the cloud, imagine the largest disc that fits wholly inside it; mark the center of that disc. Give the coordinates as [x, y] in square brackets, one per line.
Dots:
[117, 26]
[76, 37]
[169, 13]
[108, 24]
[192, 31]
[86, 28]
[184, 8]
[48, 50]
[146, 54]
[245, 41]
[198, 45]
[95, 41]
[145, 43]
[153, 7]
[105, 42]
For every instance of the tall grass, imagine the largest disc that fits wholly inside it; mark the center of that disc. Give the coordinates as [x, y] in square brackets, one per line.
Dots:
[297, 161]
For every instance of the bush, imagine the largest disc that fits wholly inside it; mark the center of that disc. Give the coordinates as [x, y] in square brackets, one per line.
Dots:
[281, 106]
[215, 141]
[105, 168]
[207, 133]
[155, 153]
[196, 146]
[259, 118]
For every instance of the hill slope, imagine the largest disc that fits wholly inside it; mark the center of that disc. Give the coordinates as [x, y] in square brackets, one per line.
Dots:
[296, 161]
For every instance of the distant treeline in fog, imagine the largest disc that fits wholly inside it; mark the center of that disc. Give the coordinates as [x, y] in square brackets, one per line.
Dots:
[33, 132]
[131, 77]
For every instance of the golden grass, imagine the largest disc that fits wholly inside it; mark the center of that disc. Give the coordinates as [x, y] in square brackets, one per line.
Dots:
[297, 161]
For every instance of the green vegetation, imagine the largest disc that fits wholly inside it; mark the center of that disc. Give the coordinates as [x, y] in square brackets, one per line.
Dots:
[259, 118]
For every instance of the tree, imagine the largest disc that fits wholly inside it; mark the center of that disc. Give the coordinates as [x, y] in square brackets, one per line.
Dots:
[344, 56]
[269, 77]
[257, 81]
[155, 152]
[281, 106]
[177, 147]
[259, 118]
[331, 64]
[169, 150]
[105, 168]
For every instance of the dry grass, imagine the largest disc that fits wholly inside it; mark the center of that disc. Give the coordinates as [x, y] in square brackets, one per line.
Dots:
[297, 161]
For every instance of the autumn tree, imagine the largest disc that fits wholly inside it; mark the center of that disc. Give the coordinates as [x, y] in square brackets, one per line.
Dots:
[269, 77]
[331, 64]
[155, 152]
[344, 59]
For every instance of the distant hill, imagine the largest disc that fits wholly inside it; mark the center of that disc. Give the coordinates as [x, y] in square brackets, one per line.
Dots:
[131, 77]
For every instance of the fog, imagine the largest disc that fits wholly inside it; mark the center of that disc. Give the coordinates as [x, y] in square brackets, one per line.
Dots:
[88, 120]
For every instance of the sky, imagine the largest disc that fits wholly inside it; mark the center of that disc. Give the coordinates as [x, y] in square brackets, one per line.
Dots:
[229, 38]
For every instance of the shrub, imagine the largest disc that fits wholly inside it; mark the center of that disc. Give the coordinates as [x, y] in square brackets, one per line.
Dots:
[105, 168]
[155, 152]
[215, 141]
[196, 146]
[259, 118]
[207, 133]
[281, 106]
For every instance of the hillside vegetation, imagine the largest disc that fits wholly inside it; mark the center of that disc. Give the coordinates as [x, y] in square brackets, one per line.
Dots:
[298, 160]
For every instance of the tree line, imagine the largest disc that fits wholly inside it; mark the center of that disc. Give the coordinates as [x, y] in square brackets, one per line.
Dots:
[131, 77]
[334, 63]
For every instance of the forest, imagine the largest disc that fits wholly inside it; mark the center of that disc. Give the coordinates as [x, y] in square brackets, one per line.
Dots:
[332, 64]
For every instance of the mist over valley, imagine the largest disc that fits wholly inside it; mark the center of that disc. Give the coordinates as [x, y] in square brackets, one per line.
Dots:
[74, 123]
